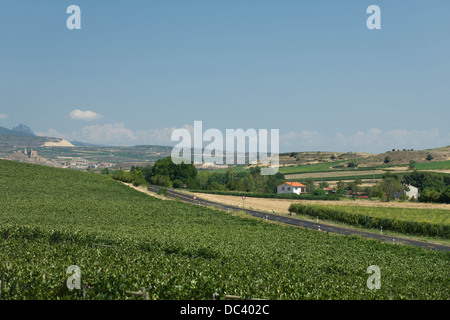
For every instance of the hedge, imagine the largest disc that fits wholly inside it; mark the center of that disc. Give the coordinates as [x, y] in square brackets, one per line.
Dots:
[366, 221]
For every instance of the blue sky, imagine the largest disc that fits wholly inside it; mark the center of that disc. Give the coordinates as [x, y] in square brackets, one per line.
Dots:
[309, 68]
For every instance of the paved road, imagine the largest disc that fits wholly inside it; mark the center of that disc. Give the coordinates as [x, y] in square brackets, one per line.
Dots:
[302, 223]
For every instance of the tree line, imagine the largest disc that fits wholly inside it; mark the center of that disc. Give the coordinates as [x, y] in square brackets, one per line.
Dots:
[433, 187]
[168, 174]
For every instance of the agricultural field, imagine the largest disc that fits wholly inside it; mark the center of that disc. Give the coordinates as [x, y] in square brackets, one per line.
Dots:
[50, 219]
[426, 222]
[343, 175]
[433, 165]
[317, 167]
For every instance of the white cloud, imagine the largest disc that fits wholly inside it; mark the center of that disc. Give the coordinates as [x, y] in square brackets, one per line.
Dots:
[3, 116]
[117, 134]
[84, 115]
[300, 141]
[52, 133]
[114, 134]
[373, 140]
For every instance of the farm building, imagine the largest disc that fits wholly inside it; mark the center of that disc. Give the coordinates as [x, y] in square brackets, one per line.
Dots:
[291, 187]
[413, 192]
[329, 190]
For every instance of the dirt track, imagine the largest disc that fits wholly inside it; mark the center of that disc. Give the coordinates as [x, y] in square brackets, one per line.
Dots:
[282, 205]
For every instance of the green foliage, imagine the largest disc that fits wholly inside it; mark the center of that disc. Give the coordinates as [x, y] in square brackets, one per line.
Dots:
[430, 195]
[434, 165]
[50, 217]
[162, 191]
[161, 180]
[310, 186]
[319, 192]
[352, 186]
[136, 177]
[249, 181]
[323, 184]
[309, 167]
[390, 186]
[434, 187]
[426, 222]
[167, 174]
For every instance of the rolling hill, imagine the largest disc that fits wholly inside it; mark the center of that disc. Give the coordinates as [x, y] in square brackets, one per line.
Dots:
[123, 240]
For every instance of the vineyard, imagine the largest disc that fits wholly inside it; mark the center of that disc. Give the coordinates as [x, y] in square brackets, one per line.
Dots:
[123, 240]
[425, 222]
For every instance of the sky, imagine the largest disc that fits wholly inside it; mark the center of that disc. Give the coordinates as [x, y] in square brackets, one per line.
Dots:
[136, 70]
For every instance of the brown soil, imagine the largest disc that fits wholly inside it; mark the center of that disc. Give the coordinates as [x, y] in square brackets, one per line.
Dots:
[282, 205]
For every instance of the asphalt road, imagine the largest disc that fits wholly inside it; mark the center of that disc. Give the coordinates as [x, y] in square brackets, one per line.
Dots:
[302, 223]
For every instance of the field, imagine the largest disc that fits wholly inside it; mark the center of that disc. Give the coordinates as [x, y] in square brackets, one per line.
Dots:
[434, 165]
[345, 175]
[317, 167]
[50, 218]
[425, 222]
[282, 205]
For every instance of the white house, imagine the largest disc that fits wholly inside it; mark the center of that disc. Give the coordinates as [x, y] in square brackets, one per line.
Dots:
[291, 187]
[413, 192]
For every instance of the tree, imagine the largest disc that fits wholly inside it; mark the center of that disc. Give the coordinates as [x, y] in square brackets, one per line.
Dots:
[387, 160]
[353, 187]
[390, 186]
[412, 165]
[429, 195]
[319, 192]
[430, 157]
[352, 165]
[340, 185]
[309, 183]
[324, 184]
[445, 195]
[161, 180]
[391, 175]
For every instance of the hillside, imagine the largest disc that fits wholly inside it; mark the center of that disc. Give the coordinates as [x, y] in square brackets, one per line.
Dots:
[303, 158]
[11, 142]
[397, 157]
[123, 240]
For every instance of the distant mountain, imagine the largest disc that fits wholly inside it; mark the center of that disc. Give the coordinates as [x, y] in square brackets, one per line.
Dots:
[4, 130]
[20, 130]
[24, 130]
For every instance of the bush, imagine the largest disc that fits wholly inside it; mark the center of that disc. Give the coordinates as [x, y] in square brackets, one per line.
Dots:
[161, 180]
[162, 191]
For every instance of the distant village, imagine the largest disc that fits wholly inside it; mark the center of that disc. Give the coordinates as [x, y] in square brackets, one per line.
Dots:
[30, 155]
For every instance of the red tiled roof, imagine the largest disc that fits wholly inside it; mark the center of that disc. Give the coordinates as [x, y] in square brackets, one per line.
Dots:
[294, 184]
